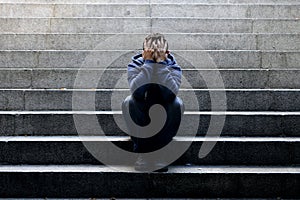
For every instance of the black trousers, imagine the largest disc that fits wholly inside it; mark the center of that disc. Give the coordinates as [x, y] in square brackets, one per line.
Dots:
[138, 111]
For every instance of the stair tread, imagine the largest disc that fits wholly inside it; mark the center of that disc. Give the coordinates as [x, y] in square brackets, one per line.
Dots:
[21, 112]
[172, 169]
[126, 139]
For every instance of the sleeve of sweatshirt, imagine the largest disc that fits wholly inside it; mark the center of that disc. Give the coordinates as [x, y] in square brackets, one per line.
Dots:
[138, 76]
[170, 77]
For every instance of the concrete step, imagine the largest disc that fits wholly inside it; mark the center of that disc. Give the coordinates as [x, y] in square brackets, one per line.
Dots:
[197, 41]
[234, 100]
[156, 1]
[79, 1]
[224, 1]
[74, 10]
[117, 79]
[191, 25]
[147, 10]
[142, 25]
[50, 123]
[227, 151]
[84, 181]
[260, 1]
[225, 11]
[199, 59]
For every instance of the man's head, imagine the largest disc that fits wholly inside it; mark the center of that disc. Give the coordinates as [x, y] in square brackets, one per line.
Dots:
[158, 45]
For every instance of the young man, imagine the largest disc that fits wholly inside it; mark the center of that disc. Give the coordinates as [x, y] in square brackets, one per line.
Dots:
[154, 78]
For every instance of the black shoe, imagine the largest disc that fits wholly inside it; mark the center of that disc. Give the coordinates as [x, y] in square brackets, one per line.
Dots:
[164, 169]
[142, 164]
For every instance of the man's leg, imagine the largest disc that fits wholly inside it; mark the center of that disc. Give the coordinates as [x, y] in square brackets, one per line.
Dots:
[174, 111]
[138, 111]
[134, 110]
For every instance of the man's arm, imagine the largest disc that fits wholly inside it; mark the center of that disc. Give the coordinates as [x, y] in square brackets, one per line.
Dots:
[138, 76]
[170, 77]
[140, 73]
[165, 73]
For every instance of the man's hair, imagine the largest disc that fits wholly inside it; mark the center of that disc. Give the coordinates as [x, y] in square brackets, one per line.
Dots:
[155, 41]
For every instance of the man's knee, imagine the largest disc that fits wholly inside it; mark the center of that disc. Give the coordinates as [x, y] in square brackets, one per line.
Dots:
[178, 104]
[126, 102]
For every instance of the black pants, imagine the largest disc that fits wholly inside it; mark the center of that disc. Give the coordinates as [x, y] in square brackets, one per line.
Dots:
[138, 111]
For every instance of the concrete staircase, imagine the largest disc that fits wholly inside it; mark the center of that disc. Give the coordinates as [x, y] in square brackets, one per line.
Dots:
[254, 45]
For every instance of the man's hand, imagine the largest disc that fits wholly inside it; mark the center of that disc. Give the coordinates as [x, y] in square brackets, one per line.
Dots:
[148, 54]
[160, 55]
[156, 55]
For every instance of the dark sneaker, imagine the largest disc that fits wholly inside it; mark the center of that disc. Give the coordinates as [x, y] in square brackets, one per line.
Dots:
[161, 167]
[142, 164]
[164, 169]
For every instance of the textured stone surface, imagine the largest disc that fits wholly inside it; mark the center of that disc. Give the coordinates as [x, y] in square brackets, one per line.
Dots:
[73, 10]
[282, 60]
[197, 79]
[15, 78]
[282, 41]
[18, 59]
[226, 11]
[229, 1]
[224, 153]
[133, 41]
[194, 25]
[158, 1]
[11, 100]
[74, 25]
[142, 25]
[7, 125]
[265, 1]
[235, 100]
[117, 78]
[202, 59]
[77, 1]
[169, 185]
[235, 125]
[276, 26]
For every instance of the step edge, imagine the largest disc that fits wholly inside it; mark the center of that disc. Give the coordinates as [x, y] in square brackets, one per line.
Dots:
[172, 169]
[127, 139]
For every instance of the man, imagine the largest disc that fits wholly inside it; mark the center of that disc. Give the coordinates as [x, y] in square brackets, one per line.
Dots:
[154, 78]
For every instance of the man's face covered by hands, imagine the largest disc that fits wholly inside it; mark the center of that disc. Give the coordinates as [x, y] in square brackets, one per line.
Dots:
[155, 48]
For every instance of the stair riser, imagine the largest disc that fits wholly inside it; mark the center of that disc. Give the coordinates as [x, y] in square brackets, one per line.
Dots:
[259, 1]
[232, 79]
[158, 1]
[236, 100]
[53, 10]
[223, 153]
[232, 11]
[79, 1]
[225, 1]
[155, 10]
[227, 26]
[168, 185]
[116, 59]
[141, 25]
[126, 41]
[235, 125]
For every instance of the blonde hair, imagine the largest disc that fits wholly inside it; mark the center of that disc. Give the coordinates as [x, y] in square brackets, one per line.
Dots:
[156, 41]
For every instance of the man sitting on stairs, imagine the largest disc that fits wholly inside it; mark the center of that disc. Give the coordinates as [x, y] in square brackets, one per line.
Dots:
[154, 78]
